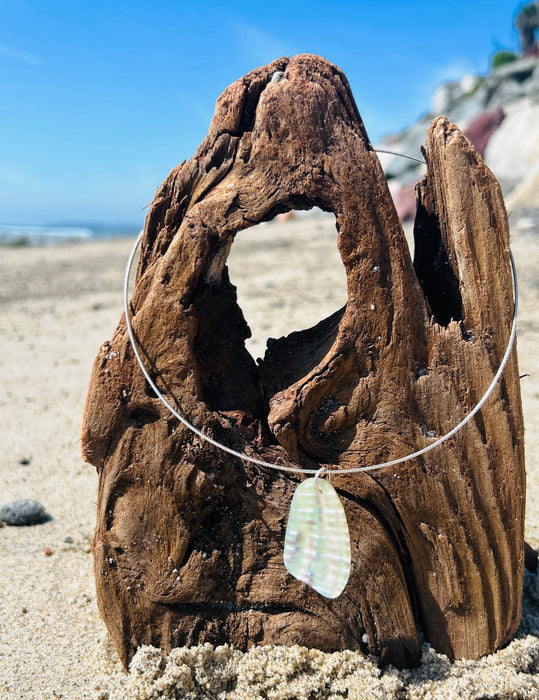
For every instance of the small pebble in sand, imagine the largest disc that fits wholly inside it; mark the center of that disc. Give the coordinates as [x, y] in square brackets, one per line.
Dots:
[47, 552]
[24, 461]
[23, 511]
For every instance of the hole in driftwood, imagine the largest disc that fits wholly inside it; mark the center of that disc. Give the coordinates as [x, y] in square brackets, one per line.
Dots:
[434, 271]
[288, 274]
[141, 417]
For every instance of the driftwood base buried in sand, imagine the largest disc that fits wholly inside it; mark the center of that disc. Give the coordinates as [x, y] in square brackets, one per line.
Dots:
[189, 540]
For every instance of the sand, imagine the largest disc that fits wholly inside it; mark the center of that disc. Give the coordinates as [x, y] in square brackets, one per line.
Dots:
[58, 305]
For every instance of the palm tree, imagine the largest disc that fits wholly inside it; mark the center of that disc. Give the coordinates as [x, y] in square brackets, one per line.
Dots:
[526, 23]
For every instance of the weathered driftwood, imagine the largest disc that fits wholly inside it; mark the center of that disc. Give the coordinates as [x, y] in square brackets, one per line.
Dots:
[189, 540]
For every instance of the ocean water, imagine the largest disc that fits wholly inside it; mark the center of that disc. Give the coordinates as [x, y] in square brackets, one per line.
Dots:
[54, 234]
[21, 235]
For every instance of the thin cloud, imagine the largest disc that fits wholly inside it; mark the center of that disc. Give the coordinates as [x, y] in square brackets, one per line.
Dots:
[258, 44]
[202, 111]
[22, 56]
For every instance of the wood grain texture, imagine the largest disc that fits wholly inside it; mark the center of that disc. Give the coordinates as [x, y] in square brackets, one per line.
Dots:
[189, 540]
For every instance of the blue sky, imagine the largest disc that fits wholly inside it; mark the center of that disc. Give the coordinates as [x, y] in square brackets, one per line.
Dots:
[100, 99]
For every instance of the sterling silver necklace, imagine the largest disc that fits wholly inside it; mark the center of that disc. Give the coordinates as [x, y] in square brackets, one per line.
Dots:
[317, 540]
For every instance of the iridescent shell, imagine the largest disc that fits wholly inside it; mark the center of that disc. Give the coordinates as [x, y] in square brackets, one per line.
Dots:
[317, 541]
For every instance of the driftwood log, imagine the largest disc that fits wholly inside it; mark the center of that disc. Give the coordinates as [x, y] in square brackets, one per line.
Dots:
[189, 540]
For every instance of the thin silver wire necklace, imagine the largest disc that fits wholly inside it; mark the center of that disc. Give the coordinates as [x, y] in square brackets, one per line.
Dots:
[317, 548]
[285, 468]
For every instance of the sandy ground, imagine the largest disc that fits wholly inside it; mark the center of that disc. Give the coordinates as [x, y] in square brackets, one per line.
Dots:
[58, 305]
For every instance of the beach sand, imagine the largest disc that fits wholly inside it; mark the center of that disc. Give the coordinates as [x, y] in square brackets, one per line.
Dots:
[59, 304]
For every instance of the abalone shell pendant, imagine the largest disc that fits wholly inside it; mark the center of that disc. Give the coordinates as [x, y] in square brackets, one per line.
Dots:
[317, 540]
